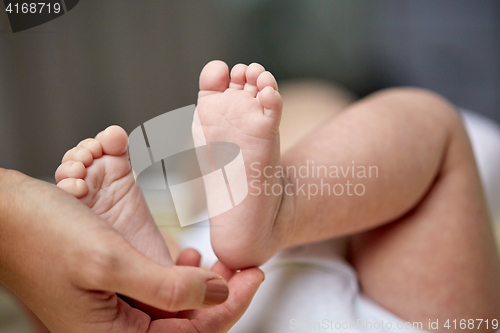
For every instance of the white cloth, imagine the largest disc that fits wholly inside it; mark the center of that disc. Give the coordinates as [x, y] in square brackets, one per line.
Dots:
[484, 135]
[312, 289]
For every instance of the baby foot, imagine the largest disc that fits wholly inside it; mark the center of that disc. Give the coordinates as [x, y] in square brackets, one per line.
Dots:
[244, 108]
[98, 172]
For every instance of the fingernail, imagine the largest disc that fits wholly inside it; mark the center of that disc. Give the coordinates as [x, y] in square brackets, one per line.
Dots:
[216, 292]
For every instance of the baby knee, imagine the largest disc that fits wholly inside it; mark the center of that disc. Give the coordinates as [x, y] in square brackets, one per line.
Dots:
[431, 105]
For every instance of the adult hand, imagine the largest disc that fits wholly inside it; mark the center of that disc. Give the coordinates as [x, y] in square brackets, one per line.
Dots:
[221, 318]
[68, 265]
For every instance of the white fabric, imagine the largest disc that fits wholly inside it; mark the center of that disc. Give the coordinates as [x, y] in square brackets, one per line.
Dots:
[311, 289]
[484, 135]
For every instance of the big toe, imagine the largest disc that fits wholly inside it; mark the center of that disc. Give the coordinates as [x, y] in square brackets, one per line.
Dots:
[214, 77]
[114, 140]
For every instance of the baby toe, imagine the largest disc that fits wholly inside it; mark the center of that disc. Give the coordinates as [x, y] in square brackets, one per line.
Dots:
[266, 79]
[93, 146]
[70, 169]
[271, 100]
[238, 76]
[114, 140]
[214, 77]
[252, 73]
[76, 187]
[79, 154]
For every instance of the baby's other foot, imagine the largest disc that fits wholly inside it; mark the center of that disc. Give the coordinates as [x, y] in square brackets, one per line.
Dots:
[98, 172]
[244, 108]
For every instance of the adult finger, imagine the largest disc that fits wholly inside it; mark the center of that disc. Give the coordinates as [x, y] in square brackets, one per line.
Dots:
[218, 268]
[223, 271]
[243, 286]
[221, 318]
[189, 257]
[120, 268]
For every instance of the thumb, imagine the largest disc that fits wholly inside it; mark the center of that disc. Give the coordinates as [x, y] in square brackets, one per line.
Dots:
[174, 288]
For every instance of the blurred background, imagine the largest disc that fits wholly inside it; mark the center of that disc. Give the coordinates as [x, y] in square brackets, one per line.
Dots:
[125, 62]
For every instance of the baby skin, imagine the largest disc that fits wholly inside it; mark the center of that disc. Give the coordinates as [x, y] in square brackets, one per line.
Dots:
[98, 172]
[419, 235]
[243, 107]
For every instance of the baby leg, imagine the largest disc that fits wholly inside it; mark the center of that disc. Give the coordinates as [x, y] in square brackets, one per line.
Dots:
[438, 261]
[424, 247]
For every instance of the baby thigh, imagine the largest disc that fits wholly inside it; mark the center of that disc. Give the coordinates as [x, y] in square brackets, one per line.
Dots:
[439, 261]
